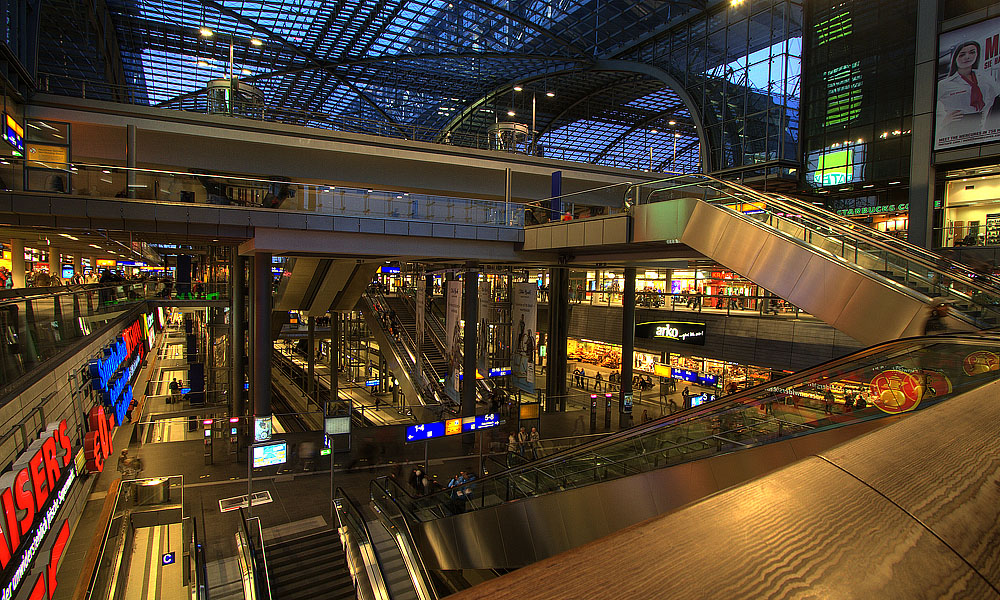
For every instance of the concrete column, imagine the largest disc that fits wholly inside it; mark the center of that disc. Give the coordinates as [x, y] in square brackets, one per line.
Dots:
[237, 333]
[262, 334]
[77, 262]
[470, 313]
[555, 349]
[628, 343]
[55, 255]
[921, 211]
[130, 159]
[311, 357]
[17, 262]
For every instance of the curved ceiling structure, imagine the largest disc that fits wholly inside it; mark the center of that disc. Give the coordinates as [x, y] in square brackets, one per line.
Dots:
[430, 70]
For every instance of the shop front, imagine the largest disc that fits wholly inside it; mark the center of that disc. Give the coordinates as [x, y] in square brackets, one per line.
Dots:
[972, 212]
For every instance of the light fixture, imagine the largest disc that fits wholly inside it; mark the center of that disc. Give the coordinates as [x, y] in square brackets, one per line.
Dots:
[202, 63]
[677, 135]
[511, 113]
[894, 183]
[518, 88]
[246, 72]
[256, 41]
[206, 32]
[68, 236]
[653, 131]
[550, 94]
[95, 246]
[671, 122]
[868, 186]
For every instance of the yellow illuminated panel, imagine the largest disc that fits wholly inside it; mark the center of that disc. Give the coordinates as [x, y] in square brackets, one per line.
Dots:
[452, 426]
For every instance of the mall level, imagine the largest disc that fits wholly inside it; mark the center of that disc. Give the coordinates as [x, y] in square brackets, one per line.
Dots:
[309, 299]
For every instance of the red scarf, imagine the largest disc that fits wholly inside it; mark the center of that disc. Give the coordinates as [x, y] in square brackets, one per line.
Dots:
[976, 101]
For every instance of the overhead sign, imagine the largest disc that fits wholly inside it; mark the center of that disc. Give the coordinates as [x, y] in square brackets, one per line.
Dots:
[33, 491]
[13, 133]
[336, 425]
[103, 262]
[389, 270]
[427, 431]
[268, 455]
[678, 331]
[168, 559]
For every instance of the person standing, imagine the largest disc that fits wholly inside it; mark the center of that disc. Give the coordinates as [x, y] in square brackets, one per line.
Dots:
[175, 391]
[522, 441]
[686, 394]
[828, 401]
[536, 443]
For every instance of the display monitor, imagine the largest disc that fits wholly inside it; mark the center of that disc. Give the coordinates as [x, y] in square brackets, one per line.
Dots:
[13, 133]
[67, 272]
[267, 455]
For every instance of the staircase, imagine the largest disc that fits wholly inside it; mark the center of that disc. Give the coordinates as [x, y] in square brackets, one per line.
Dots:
[310, 567]
[432, 353]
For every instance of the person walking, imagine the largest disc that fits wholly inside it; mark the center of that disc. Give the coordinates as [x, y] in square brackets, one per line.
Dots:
[511, 444]
[828, 401]
[175, 391]
[598, 381]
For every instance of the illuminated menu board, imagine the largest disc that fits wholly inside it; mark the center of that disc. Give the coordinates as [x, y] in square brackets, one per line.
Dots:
[13, 133]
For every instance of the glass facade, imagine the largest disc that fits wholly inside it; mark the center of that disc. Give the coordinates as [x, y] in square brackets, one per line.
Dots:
[859, 94]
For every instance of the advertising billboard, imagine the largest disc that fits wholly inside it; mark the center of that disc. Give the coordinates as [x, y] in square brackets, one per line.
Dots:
[836, 165]
[268, 455]
[679, 331]
[524, 314]
[968, 84]
[453, 339]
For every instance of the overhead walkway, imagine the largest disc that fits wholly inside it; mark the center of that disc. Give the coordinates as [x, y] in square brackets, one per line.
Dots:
[865, 283]
[538, 509]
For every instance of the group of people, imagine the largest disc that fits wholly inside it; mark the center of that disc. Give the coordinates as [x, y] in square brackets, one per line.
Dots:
[524, 443]
[581, 380]
[852, 402]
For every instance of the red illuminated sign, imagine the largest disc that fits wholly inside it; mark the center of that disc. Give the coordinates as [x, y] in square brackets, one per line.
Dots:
[97, 442]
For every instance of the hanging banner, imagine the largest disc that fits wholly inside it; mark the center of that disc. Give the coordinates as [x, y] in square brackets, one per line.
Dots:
[453, 338]
[485, 318]
[523, 314]
[421, 309]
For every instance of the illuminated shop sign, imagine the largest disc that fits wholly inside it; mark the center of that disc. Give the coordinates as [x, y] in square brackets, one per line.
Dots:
[427, 431]
[678, 331]
[37, 486]
[389, 270]
[111, 375]
[97, 445]
[881, 210]
[149, 322]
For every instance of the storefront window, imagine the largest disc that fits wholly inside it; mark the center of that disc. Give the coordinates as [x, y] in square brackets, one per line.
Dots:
[972, 212]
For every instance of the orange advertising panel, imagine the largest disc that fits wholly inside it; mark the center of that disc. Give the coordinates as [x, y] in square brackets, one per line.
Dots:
[453, 426]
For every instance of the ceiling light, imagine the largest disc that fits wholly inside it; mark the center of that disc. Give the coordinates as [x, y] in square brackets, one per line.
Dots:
[653, 131]
[66, 235]
[677, 135]
[893, 183]
[246, 72]
[205, 32]
[256, 41]
[95, 246]
[671, 122]
[511, 113]
[868, 186]
[202, 63]
[518, 88]
[550, 94]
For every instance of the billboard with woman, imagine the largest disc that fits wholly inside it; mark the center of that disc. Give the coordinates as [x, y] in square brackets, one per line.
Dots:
[968, 86]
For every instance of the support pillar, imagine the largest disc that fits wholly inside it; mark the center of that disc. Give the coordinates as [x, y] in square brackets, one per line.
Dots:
[628, 347]
[920, 230]
[334, 356]
[555, 349]
[17, 262]
[311, 358]
[262, 334]
[237, 337]
[55, 254]
[470, 313]
[77, 263]
[130, 160]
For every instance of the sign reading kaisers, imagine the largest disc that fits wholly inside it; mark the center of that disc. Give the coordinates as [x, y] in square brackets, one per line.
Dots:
[678, 331]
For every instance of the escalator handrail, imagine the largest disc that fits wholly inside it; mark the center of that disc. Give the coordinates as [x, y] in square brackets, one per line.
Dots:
[382, 590]
[408, 343]
[407, 533]
[726, 403]
[901, 248]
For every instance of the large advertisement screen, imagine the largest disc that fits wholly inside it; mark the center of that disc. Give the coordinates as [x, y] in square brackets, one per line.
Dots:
[453, 340]
[968, 86]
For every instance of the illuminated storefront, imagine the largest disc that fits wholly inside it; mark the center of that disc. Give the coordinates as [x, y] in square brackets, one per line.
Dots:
[972, 212]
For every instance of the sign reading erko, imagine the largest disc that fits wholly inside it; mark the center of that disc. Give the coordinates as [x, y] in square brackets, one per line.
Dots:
[678, 331]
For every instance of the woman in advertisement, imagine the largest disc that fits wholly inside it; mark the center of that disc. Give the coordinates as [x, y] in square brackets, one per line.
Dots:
[966, 95]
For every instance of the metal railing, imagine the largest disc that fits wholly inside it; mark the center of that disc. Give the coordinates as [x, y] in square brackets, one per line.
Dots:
[363, 562]
[391, 515]
[272, 194]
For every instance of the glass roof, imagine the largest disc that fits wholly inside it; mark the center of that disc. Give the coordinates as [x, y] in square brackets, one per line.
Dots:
[431, 70]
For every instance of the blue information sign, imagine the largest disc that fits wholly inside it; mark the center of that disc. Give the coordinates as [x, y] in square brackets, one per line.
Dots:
[480, 422]
[424, 431]
[168, 559]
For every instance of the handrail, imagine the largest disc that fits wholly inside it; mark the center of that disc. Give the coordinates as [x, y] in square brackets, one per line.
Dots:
[373, 565]
[423, 579]
[258, 571]
[408, 343]
[743, 398]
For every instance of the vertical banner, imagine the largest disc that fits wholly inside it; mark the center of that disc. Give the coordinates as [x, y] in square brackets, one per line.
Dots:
[453, 333]
[485, 318]
[524, 312]
[421, 309]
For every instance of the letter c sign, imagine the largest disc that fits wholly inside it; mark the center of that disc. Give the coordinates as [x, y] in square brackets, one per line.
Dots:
[97, 442]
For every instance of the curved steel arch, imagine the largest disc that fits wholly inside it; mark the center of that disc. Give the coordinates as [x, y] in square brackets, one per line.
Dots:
[625, 66]
[577, 102]
[677, 88]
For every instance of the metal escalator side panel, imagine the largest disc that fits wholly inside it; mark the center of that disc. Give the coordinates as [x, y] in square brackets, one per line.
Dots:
[532, 529]
[334, 280]
[662, 220]
[294, 286]
[861, 307]
[352, 291]
[395, 362]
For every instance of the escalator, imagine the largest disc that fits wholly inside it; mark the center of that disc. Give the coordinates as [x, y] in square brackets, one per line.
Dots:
[865, 283]
[535, 510]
